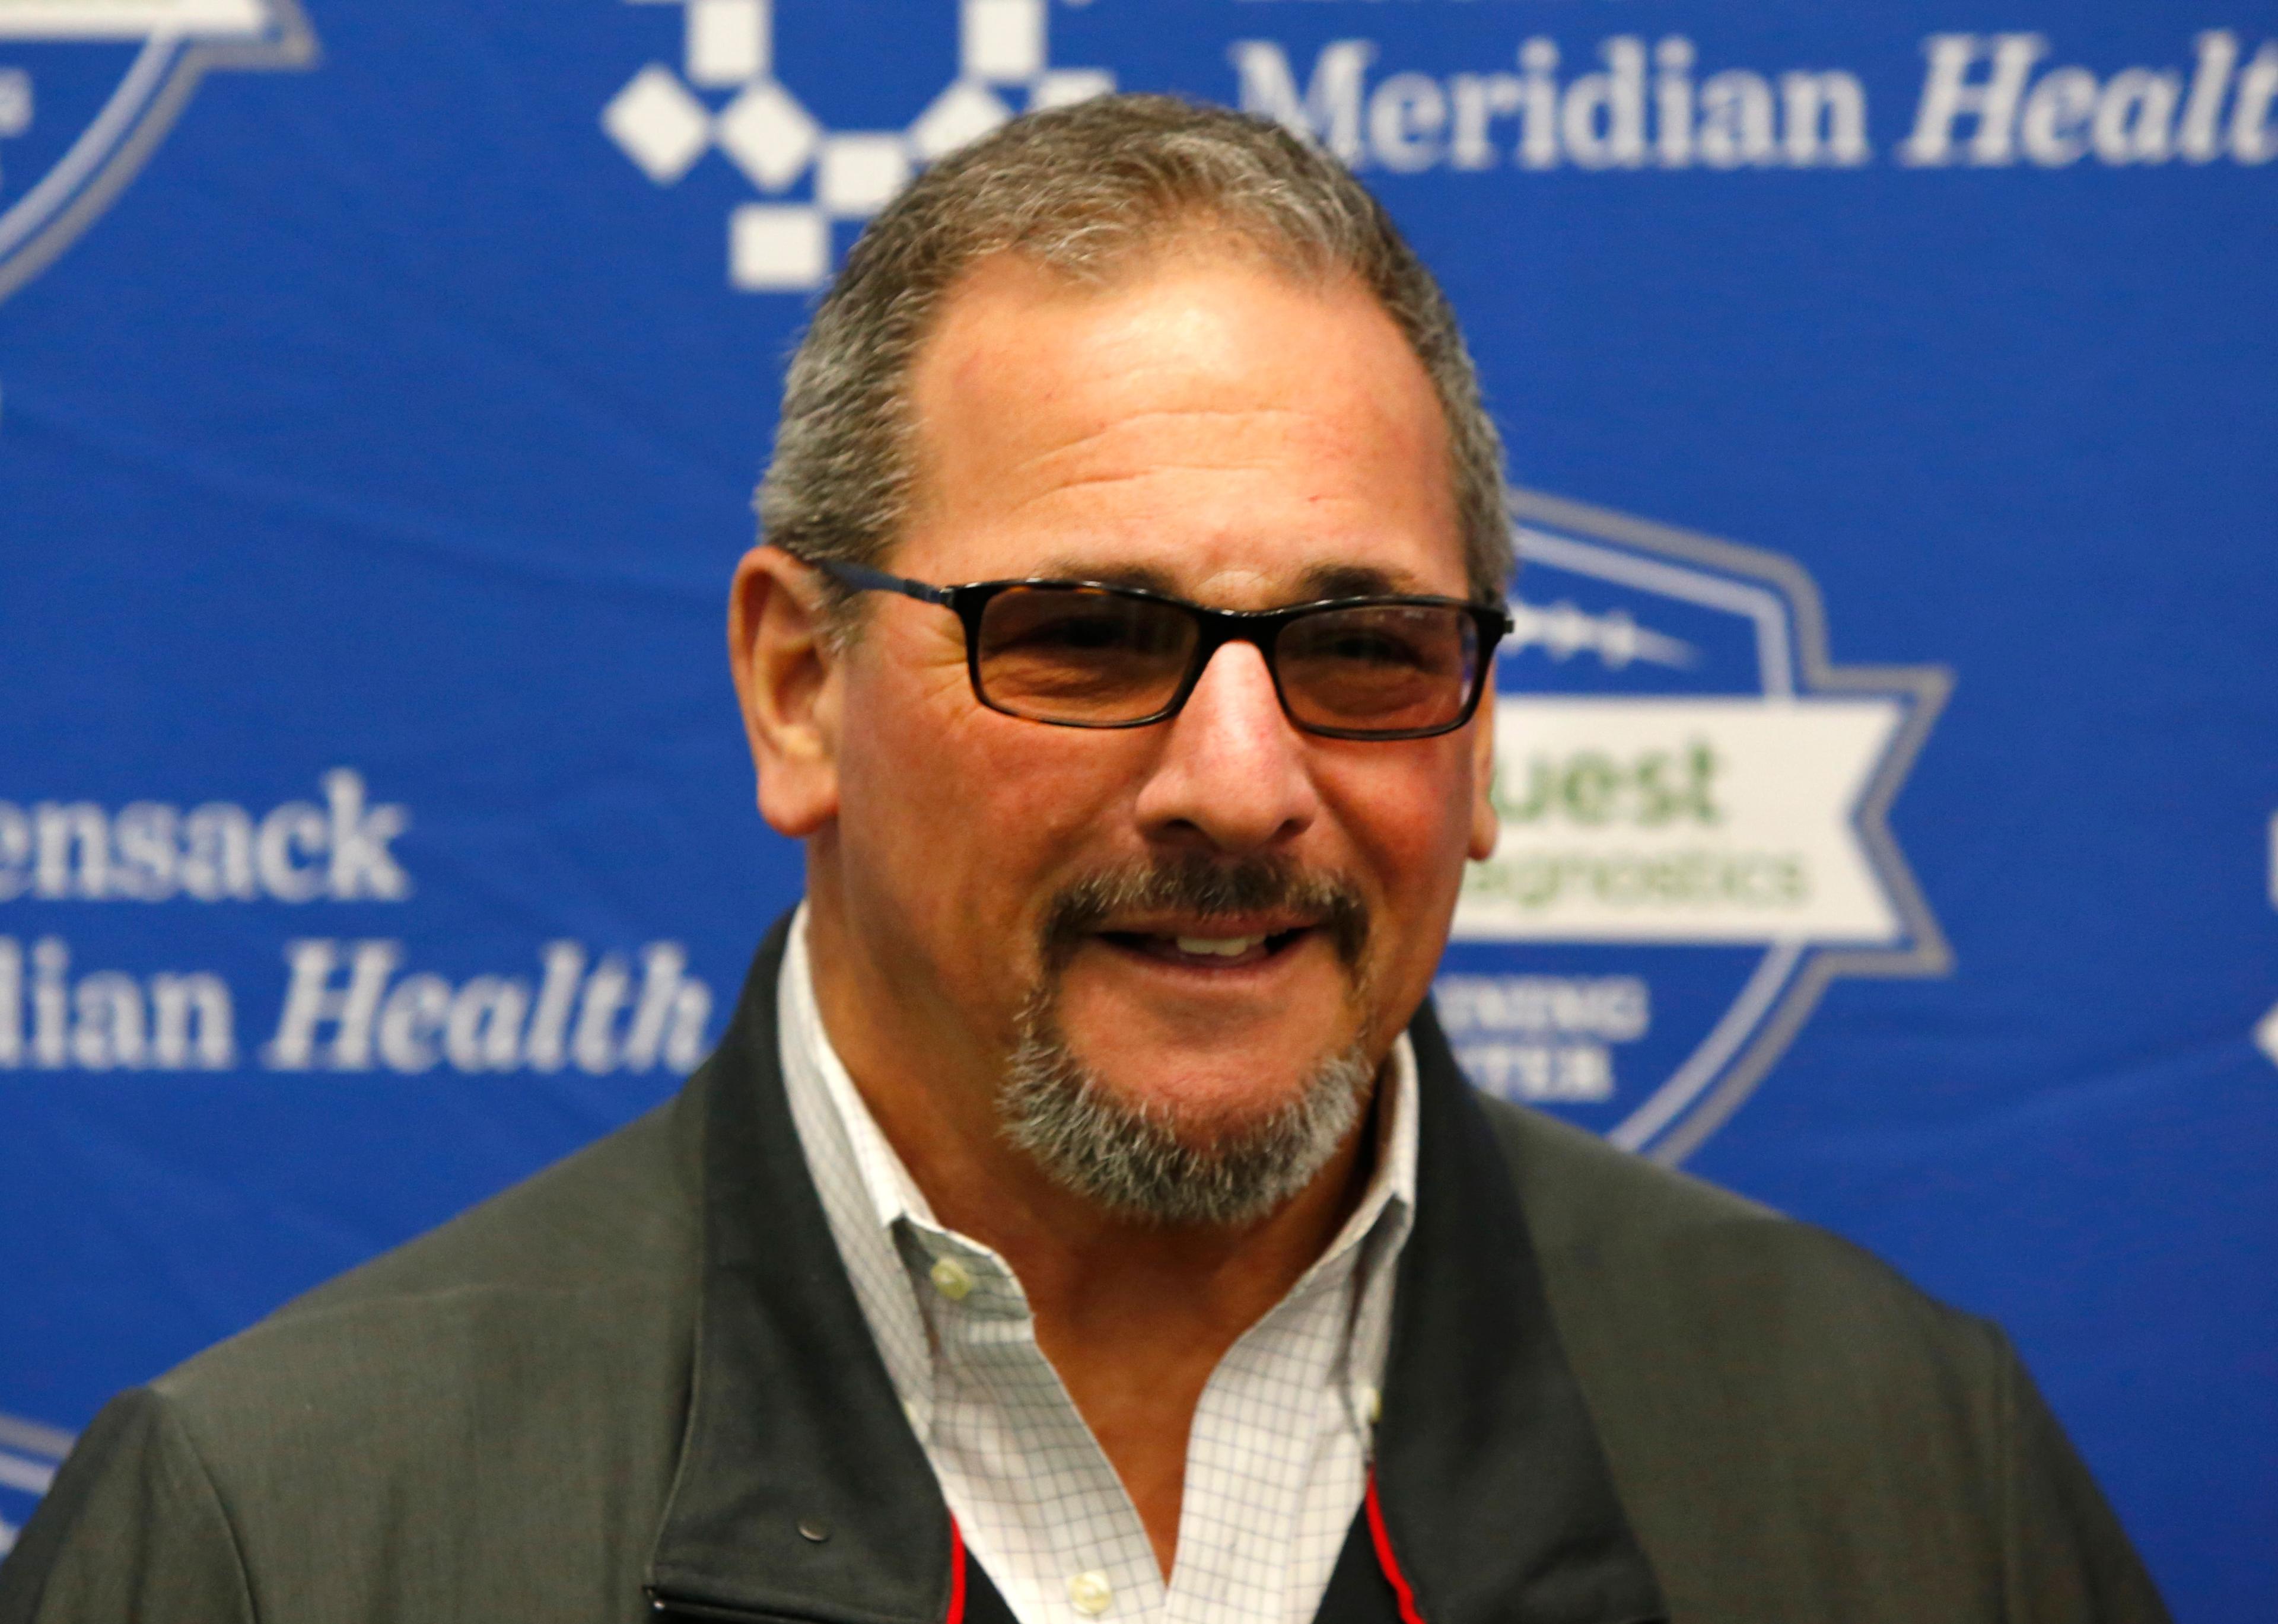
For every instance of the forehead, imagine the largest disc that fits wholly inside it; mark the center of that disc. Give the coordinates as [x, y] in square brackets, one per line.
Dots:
[1208, 422]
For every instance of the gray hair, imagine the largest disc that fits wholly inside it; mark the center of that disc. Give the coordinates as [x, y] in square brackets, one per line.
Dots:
[1129, 1157]
[1089, 191]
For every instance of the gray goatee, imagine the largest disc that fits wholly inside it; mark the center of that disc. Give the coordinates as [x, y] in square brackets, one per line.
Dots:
[1130, 1156]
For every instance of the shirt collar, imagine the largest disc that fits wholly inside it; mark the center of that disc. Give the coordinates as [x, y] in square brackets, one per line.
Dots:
[1495, 1491]
[811, 1061]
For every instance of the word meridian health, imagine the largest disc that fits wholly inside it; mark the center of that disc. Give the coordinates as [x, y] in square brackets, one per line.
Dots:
[1986, 101]
[345, 1009]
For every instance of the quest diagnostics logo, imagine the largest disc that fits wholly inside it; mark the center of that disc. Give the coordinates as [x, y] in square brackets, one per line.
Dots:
[89, 88]
[1694, 838]
[725, 97]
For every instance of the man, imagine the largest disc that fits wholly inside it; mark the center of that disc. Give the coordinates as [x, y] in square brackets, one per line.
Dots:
[1084, 1217]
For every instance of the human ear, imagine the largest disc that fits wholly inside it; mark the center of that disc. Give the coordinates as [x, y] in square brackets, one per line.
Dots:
[787, 683]
[1486, 825]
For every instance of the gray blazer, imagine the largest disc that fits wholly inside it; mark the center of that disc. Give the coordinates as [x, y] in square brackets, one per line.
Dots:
[618, 1390]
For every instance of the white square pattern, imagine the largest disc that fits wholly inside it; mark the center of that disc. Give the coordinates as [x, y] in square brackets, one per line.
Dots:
[773, 246]
[661, 126]
[727, 40]
[1065, 86]
[964, 113]
[1002, 40]
[860, 174]
[770, 135]
[726, 94]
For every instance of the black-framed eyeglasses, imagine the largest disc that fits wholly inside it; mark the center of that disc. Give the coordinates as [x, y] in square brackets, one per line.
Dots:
[1082, 654]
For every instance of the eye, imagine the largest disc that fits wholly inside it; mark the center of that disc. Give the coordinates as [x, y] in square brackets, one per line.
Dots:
[1060, 624]
[1382, 640]
[1369, 645]
[1079, 630]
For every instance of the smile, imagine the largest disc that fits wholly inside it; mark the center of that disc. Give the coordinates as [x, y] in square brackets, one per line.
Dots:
[1207, 951]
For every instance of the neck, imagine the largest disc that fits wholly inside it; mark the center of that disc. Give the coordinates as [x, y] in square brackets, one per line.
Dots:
[1134, 1315]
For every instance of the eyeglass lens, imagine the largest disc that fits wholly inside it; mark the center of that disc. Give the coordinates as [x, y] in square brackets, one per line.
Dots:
[1082, 655]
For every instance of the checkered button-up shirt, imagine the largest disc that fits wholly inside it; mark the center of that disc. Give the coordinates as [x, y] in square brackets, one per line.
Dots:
[1277, 1460]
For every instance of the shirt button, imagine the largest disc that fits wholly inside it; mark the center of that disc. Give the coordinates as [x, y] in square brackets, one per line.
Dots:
[951, 1278]
[1370, 1405]
[1090, 1593]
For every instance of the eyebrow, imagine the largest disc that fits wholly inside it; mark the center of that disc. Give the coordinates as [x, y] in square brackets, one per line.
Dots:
[1358, 581]
[1145, 578]
[1322, 581]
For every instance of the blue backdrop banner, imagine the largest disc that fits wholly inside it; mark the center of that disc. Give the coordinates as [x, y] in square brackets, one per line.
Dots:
[1887, 751]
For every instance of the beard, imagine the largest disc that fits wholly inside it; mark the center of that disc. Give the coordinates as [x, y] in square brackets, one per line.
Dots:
[1135, 1157]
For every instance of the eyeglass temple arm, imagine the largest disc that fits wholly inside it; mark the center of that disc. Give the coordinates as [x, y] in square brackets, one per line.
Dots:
[863, 578]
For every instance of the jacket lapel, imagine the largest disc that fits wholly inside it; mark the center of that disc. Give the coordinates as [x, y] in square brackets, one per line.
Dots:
[794, 1428]
[1496, 1503]
[1496, 1498]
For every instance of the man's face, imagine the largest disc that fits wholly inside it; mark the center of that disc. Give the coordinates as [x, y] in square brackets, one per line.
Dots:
[1215, 430]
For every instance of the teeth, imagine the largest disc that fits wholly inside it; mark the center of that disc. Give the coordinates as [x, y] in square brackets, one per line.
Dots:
[1221, 947]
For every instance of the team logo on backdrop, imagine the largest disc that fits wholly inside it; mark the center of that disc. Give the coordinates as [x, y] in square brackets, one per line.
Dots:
[29, 1454]
[1694, 838]
[1627, 103]
[89, 88]
[725, 97]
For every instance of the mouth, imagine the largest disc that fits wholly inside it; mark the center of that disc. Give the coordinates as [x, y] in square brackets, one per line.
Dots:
[1203, 920]
[1209, 945]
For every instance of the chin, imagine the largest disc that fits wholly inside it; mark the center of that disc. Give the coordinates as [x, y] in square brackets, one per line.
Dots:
[1207, 1097]
[1207, 1050]
[1206, 1148]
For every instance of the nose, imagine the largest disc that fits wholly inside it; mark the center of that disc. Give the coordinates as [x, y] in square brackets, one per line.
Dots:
[1233, 772]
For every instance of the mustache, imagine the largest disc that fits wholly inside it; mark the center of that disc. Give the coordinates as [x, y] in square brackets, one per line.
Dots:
[1198, 883]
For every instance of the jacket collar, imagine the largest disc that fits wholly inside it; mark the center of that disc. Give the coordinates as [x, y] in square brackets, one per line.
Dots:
[793, 1429]
[1496, 1493]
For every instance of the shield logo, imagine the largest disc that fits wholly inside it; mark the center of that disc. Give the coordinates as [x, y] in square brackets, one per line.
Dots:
[29, 1455]
[89, 88]
[1694, 839]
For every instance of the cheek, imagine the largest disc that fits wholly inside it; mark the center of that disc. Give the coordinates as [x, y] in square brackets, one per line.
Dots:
[1409, 815]
[1410, 820]
[974, 812]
